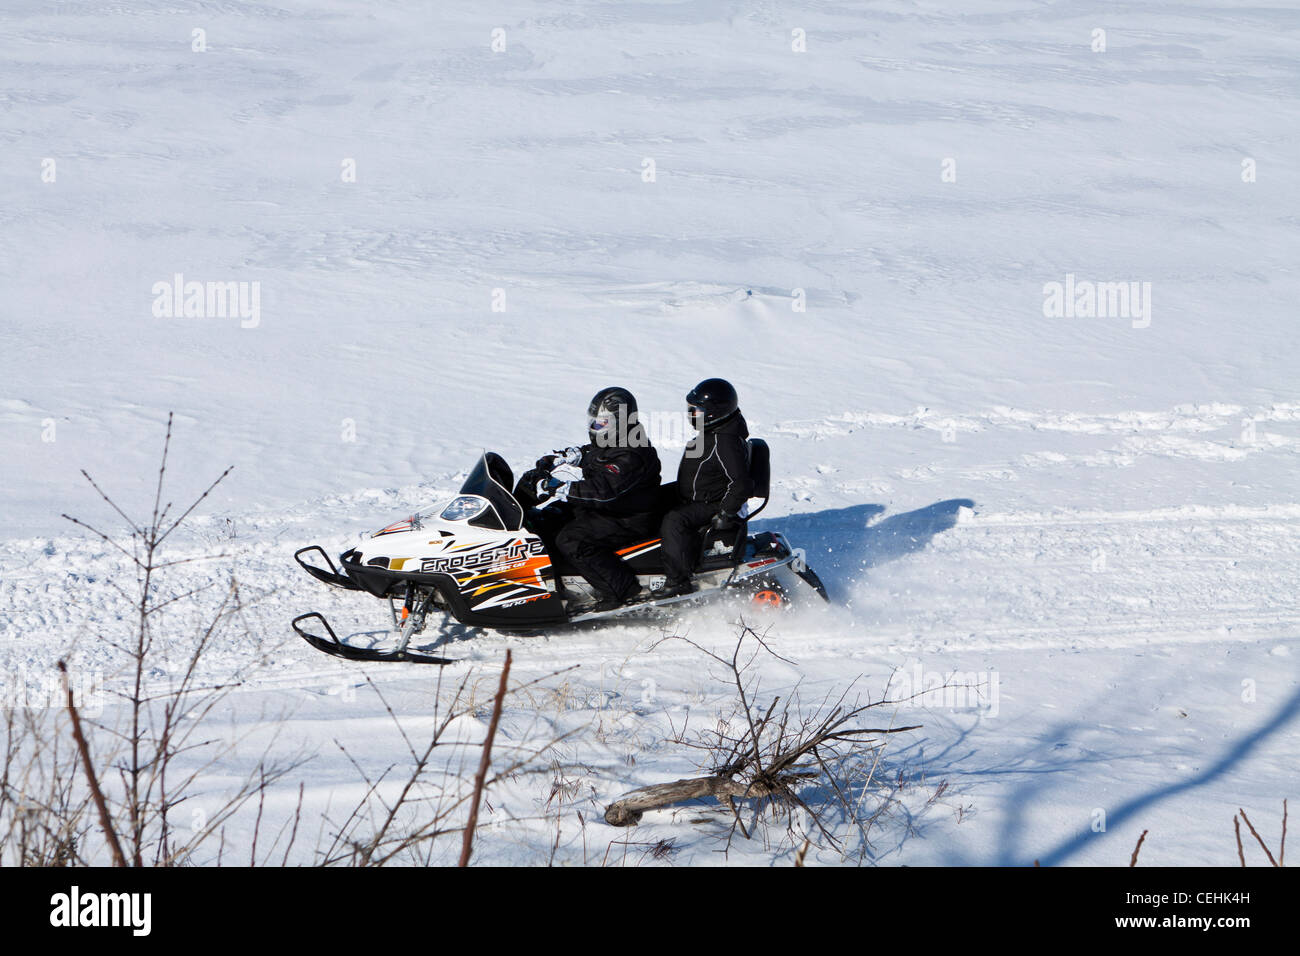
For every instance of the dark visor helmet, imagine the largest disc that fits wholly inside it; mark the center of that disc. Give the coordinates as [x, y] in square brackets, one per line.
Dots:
[611, 414]
[712, 402]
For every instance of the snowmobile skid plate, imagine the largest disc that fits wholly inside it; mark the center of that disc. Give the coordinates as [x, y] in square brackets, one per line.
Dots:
[333, 646]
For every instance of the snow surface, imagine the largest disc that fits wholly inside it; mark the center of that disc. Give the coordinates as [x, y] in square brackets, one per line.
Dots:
[1103, 514]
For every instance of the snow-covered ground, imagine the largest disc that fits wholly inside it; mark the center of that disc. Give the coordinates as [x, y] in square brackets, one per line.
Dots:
[1095, 516]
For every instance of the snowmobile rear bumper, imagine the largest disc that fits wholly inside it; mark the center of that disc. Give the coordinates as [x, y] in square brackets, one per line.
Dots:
[809, 577]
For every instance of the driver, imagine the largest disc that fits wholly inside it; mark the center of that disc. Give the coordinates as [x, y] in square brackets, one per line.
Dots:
[606, 491]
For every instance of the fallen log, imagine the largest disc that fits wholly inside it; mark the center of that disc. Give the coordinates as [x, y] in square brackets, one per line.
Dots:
[627, 809]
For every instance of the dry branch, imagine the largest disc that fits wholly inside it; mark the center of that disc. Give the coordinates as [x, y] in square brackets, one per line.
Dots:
[1281, 855]
[105, 821]
[467, 847]
[1134, 860]
[774, 751]
[1257, 837]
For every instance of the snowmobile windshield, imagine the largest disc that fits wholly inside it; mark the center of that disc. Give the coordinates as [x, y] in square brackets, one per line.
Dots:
[490, 479]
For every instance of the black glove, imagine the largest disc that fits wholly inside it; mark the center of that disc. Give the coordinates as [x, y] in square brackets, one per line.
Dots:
[724, 521]
[570, 456]
[548, 487]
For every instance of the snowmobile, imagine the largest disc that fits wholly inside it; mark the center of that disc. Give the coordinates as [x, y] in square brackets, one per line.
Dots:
[475, 559]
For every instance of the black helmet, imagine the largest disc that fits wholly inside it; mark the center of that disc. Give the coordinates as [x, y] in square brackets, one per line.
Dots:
[713, 400]
[612, 417]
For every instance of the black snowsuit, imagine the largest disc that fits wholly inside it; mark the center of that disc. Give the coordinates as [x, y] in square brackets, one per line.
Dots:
[611, 507]
[713, 477]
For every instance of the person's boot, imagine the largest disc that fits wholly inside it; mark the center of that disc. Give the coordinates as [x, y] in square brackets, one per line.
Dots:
[608, 602]
[675, 589]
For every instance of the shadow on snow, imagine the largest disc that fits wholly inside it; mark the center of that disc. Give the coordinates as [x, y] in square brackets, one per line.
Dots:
[842, 542]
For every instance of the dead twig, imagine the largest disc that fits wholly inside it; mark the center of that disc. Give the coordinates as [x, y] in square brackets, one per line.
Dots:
[1134, 860]
[105, 821]
[1257, 837]
[1281, 856]
[467, 846]
[802, 852]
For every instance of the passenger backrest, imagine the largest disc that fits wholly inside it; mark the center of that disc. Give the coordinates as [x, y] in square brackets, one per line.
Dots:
[760, 472]
[760, 468]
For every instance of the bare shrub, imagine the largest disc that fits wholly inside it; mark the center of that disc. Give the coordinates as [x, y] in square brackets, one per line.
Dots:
[44, 813]
[78, 791]
[804, 766]
[1280, 859]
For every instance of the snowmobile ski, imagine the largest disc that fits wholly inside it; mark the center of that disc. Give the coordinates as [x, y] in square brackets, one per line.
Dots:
[337, 648]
